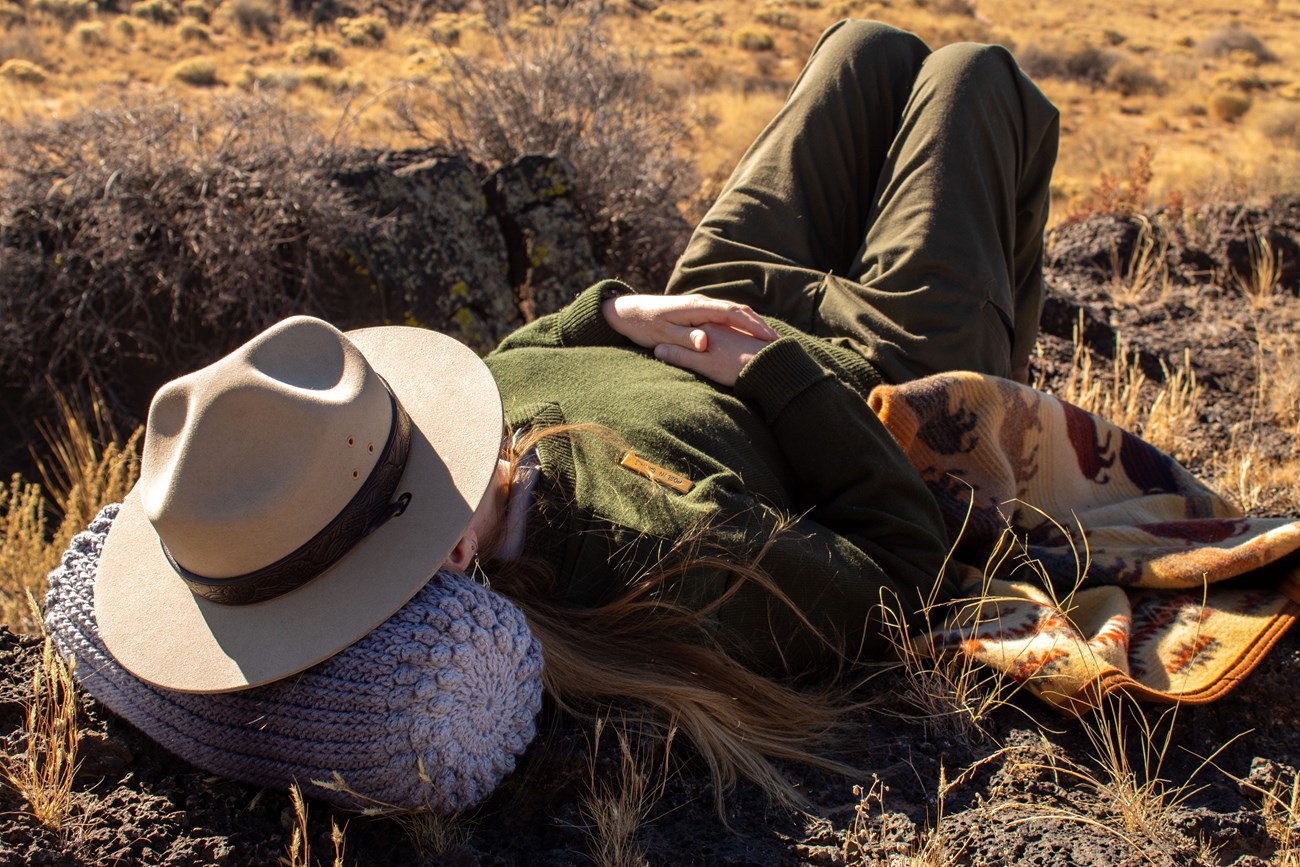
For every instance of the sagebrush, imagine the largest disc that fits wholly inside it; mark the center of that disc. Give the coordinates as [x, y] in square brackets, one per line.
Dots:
[566, 90]
[142, 240]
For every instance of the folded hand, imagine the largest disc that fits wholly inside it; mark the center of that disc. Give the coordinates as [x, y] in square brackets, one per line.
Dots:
[677, 320]
[724, 353]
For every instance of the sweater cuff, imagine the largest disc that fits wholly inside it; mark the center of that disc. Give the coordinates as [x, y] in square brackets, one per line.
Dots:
[780, 372]
[583, 324]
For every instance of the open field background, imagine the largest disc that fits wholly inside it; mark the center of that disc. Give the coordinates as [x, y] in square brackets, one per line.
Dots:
[1172, 278]
[1212, 88]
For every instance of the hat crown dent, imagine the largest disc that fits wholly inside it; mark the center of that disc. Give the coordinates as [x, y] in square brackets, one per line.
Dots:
[246, 459]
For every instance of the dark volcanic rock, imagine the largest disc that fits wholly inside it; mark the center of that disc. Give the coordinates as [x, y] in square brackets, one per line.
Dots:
[469, 258]
[550, 246]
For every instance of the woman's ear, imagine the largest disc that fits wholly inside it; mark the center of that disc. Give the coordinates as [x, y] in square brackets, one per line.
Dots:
[463, 554]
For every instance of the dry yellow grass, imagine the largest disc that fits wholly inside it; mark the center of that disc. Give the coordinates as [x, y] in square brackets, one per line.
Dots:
[43, 772]
[1164, 414]
[1145, 279]
[298, 852]
[1281, 811]
[950, 693]
[1141, 797]
[1155, 75]
[615, 809]
[89, 466]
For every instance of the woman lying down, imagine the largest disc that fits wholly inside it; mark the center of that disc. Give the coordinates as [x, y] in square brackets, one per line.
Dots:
[364, 557]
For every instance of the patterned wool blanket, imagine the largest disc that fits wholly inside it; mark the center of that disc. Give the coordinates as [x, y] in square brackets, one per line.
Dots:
[1090, 560]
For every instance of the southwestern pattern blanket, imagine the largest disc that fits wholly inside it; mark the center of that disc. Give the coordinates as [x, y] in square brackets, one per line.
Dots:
[1091, 561]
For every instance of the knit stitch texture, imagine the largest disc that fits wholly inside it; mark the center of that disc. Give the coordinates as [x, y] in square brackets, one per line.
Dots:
[428, 710]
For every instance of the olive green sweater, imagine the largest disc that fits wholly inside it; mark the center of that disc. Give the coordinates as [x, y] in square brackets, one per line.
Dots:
[790, 463]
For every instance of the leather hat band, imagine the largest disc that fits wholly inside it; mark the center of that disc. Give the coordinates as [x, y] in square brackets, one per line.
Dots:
[371, 506]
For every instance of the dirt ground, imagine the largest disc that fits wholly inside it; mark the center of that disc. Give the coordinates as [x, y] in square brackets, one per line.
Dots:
[1027, 789]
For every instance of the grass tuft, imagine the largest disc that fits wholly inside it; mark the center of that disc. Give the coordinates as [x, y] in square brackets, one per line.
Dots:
[1143, 802]
[1124, 396]
[1145, 277]
[195, 71]
[298, 852]
[89, 467]
[1266, 268]
[44, 772]
[616, 809]
[23, 71]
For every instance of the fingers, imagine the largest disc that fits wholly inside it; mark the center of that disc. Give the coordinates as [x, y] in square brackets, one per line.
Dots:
[684, 320]
[743, 318]
[678, 356]
[726, 354]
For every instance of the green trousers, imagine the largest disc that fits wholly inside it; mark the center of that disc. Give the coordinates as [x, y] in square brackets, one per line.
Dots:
[895, 204]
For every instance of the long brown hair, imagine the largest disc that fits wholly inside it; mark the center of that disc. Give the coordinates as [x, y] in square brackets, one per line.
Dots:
[658, 664]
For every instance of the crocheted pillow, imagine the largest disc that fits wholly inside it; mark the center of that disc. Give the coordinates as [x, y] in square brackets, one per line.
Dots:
[428, 710]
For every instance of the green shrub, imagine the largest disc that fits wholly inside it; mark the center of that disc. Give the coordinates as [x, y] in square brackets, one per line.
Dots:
[11, 14]
[706, 19]
[282, 80]
[125, 27]
[1131, 78]
[195, 71]
[754, 39]
[1282, 126]
[157, 11]
[445, 29]
[332, 82]
[775, 16]
[1227, 105]
[175, 234]
[312, 51]
[1233, 38]
[192, 31]
[63, 11]
[252, 16]
[196, 9]
[1080, 62]
[90, 34]
[367, 30]
[23, 71]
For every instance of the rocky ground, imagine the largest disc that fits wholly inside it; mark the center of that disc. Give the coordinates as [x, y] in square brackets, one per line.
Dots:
[1024, 787]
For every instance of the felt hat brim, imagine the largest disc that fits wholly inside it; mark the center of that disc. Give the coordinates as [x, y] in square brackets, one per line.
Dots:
[166, 635]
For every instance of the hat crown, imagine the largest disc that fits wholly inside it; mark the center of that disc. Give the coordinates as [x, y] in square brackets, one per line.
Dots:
[246, 459]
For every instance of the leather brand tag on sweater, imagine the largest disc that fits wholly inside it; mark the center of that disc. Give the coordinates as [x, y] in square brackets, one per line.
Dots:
[656, 473]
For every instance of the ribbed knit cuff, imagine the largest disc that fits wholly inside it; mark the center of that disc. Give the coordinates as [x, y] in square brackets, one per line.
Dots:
[777, 375]
[583, 324]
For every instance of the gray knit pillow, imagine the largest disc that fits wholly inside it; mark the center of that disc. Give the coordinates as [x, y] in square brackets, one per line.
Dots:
[450, 684]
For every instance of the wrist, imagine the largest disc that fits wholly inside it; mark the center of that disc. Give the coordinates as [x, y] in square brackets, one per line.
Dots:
[610, 292]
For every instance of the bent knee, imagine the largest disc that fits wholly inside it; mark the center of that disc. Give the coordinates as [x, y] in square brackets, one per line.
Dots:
[961, 62]
[872, 42]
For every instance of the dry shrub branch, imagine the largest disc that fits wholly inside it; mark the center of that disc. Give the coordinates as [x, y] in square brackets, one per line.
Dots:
[143, 239]
[565, 89]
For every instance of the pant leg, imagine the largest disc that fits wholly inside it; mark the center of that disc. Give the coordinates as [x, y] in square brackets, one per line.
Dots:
[949, 275]
[797, 204]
